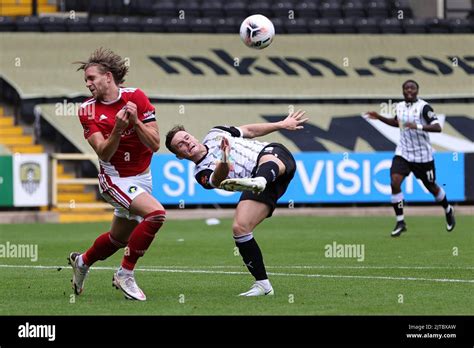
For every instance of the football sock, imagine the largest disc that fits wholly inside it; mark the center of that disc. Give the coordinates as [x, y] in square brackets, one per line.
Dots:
[442, 199]
[397, 203]
[269, 170]
[141, 238]
[104, 246]
[252, 255]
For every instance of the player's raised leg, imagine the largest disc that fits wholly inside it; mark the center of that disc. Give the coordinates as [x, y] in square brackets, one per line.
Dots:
[104, 246]
[141, 238]
[269, 168]
[248, 215]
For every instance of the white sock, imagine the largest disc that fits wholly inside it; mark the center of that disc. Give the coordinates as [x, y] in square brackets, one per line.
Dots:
[123, 271]
[80, 262]
[448, 209]
[265, 284]
[400, 218]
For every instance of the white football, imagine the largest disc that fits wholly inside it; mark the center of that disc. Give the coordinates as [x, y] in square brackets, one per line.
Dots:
[257, 31]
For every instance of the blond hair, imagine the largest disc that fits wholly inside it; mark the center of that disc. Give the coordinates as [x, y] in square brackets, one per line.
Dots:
[106, 61]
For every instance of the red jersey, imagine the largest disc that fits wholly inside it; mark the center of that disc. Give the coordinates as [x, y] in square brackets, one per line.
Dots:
[132, 156]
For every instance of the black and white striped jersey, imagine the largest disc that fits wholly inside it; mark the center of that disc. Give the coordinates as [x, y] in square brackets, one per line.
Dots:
[414, 144]
[243, 154]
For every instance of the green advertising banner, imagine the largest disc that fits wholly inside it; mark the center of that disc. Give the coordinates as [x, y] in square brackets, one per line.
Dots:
[6, 181]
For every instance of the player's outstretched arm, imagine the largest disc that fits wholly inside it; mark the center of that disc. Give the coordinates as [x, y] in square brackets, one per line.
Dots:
[375, 116]
[293, 121]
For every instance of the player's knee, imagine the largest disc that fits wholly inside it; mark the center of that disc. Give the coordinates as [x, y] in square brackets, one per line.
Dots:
[156, 218]
[239, 228]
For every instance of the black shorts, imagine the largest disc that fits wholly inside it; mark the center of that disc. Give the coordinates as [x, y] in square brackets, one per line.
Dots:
[424, 171]
[276, 189]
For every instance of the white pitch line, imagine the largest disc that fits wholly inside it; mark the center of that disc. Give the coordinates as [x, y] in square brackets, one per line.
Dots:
[167, 270]
[325, 267]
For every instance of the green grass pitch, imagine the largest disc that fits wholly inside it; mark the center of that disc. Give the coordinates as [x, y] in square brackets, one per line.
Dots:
[191, 269]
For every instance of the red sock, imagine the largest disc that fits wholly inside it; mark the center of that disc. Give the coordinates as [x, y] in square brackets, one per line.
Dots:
[104, 246]
[141, 237]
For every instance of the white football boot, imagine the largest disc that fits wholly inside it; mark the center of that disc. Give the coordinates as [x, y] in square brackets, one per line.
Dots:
[258, 290]
[79, 274]
[256, 185]
[126, 283]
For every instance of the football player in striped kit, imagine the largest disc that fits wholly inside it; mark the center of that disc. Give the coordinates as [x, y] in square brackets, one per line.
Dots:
[229, 158]
[414, 153]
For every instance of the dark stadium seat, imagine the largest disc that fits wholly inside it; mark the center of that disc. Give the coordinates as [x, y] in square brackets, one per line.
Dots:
[27, 23]
[296, 26]
[367, 25]
[236, 9]
[307, 9]
[461, 26]
[402, 7]
[77, 5]
[53, 23]
[152, 25]
[319, 26]
[227, 25]
[78, 24]
[212, 9]
[353, 8]
[260, 7]
[175, 25]
[281, 9]
[279, 25]
[188, 8]
[103, 23]
[165, 9]
[377, 9]
[330, 9]
[141, 7]
[201, 25]
[343, 25]
[414, 26]
[7, 23]
[99, 7]
[129, 24]
[438, 26]
[390, 26]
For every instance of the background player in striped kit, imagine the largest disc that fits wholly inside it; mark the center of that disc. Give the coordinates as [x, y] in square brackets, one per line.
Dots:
[266, 169]
[414, 153]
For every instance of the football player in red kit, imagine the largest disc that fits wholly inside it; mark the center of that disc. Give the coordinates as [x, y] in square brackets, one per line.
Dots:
[119, 123]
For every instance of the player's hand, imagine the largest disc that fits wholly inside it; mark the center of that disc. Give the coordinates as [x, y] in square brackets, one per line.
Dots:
[409, 125]
[121, 120]
[373, 115]
[131, 109]
[294, 120]
[225, 148]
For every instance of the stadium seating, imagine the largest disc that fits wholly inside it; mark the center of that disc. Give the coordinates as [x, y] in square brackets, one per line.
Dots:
[220, 16]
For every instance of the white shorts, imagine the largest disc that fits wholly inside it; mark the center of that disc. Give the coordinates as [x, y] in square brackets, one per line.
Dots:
[120, 192]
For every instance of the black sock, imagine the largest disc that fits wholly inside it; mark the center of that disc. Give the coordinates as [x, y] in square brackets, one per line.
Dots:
[269, 170]
[398, 207]
[444, 203]
[253, 259]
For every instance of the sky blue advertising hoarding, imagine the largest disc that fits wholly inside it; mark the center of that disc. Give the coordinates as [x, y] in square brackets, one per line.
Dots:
[321, 177]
